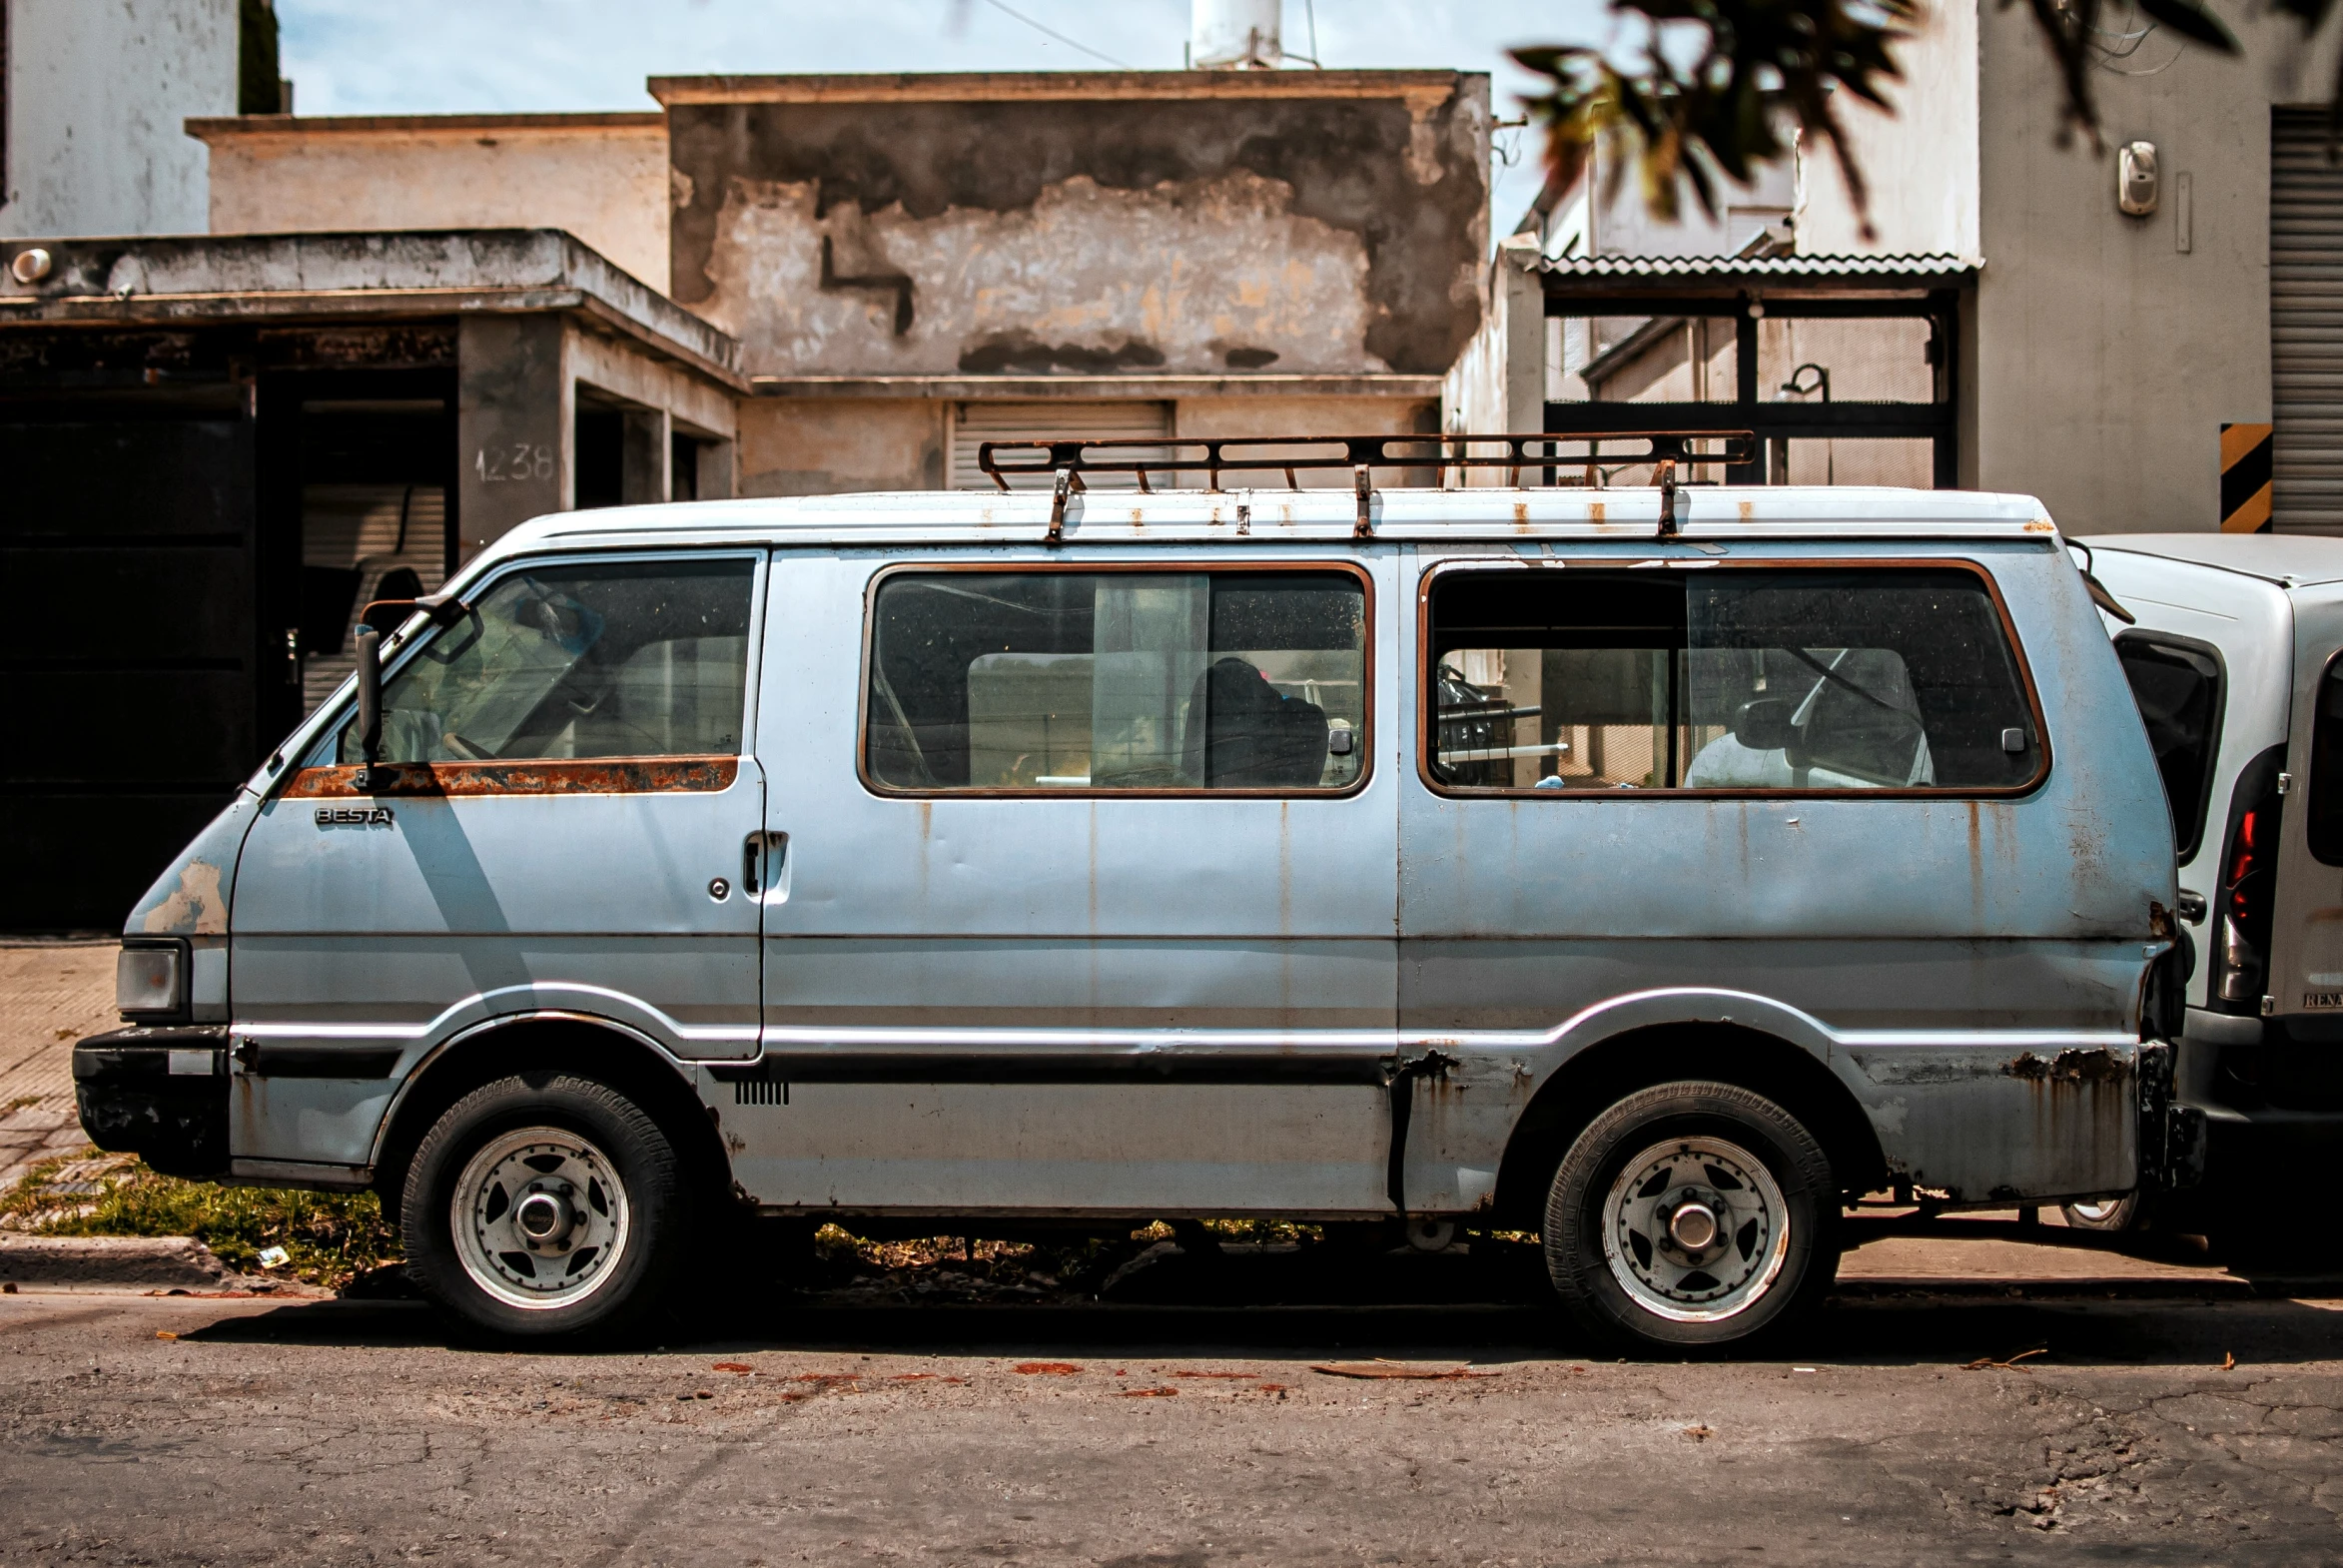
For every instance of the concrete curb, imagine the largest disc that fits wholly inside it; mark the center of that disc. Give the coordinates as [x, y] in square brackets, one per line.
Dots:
[151, 1261]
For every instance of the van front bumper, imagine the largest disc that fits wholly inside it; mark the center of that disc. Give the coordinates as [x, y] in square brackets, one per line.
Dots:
[157, 1093]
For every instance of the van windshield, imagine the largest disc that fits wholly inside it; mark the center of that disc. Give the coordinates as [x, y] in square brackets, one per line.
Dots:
[603, 659]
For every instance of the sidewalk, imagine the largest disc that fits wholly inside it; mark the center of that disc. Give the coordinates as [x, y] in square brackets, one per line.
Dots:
[51, 993]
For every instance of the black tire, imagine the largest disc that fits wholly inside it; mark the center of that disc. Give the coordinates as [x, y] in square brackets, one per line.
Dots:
[1709, 1149]
[623, 1278]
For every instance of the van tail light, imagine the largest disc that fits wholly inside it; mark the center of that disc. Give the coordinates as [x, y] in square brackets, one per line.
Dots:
[2248, 887]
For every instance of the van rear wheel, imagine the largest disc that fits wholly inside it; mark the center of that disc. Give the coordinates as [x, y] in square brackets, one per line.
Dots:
[1692, 1215]
[544, 1206]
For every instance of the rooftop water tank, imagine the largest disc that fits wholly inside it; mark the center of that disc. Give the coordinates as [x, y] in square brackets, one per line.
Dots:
[1234, 35]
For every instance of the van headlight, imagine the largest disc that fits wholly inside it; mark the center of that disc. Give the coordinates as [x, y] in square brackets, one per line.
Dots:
[150, 979]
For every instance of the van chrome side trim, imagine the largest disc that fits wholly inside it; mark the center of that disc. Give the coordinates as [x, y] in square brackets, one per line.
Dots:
[1076, 1065]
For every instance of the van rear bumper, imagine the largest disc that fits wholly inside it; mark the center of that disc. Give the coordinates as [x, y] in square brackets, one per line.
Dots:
[159, 1092]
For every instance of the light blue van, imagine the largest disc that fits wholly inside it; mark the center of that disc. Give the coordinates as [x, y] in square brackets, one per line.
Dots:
[1484, 857]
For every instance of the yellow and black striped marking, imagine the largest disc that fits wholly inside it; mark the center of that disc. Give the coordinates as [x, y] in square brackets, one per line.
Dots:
[2245, 478]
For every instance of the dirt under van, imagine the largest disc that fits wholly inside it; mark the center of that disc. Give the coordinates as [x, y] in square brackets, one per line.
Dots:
[1656, 872]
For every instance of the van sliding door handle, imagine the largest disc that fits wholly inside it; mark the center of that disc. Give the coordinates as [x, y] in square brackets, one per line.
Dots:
[761, 849]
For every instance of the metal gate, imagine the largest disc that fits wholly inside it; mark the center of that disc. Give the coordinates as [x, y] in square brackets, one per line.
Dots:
[2306, 324]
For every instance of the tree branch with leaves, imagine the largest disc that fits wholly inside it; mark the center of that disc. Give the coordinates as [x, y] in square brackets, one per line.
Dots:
[1711, 89]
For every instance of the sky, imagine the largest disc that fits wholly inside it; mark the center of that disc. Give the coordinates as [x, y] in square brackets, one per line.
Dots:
[492, 56]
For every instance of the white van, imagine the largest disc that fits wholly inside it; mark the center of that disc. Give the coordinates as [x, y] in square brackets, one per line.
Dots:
[2234, 650]
[1659, 870]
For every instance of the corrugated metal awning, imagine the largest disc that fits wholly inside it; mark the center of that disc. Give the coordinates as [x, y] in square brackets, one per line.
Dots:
[1633, 280]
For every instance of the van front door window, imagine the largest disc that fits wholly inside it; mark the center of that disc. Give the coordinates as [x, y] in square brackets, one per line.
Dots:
[579, 660]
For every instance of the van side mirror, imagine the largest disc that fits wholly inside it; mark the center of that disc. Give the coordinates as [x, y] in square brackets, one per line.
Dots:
[387, 616]
[1763, 724]
[369, 704]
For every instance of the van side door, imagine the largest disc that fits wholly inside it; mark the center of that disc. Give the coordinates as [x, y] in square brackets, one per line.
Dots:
[558, 825]
[1088, 887]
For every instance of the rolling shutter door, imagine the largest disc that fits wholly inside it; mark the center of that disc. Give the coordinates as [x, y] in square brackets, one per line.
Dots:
[974, 423]
[2306, 324]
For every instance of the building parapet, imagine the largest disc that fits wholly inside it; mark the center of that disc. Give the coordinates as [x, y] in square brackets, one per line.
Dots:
[178, 278]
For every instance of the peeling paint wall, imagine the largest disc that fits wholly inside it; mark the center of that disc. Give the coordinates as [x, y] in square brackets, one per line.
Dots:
[603, 177]
[1051, 233]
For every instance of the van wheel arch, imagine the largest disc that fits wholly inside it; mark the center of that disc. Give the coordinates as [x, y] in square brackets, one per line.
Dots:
[1601, 1074]
[580, 1048]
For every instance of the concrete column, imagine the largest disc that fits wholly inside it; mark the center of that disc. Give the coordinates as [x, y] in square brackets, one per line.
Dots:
[513, 425]
[1520, 307]
[643, 466]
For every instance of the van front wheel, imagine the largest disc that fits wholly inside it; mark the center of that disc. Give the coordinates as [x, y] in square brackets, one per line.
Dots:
[544, 1206]
[1692, 1215]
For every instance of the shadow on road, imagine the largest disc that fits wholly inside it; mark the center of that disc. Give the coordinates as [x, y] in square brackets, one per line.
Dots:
[1487, 1307]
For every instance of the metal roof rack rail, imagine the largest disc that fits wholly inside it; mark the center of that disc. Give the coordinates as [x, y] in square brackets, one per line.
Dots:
[1065, 462]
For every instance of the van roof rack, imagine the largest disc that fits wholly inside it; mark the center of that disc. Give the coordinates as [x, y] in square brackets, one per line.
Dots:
[1069, 461]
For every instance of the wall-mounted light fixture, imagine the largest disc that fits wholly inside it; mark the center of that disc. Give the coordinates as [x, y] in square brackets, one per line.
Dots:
[2135, 178]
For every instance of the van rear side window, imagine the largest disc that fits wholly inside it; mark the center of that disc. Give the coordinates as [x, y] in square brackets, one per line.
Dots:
[1725, 678]
[2179, 688]
[1049, 681]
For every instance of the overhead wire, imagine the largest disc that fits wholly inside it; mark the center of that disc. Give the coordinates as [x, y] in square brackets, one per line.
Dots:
[1069, 43]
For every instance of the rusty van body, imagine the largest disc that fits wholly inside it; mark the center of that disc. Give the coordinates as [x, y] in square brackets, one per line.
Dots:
[1488, 857]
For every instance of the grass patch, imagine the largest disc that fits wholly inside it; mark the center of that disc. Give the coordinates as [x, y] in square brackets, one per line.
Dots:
[327, 1237]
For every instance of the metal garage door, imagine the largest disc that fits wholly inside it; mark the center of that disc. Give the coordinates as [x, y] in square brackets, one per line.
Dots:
[974, 423]
[129, 652]
[2306, 324]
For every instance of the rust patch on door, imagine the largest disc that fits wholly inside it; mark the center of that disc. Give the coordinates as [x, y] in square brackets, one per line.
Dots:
[2071, 1065]
[558, 776]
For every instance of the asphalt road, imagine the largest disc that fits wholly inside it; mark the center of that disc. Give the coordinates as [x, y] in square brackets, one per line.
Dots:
[1170, 1436]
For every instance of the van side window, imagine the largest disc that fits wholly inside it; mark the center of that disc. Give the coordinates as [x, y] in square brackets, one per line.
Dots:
[1046, 681]
[1726, 678]
[2325, 823]
[579, 659]
[2178, 689]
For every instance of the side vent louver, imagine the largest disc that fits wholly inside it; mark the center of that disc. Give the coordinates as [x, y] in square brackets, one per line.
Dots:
[759, 1092]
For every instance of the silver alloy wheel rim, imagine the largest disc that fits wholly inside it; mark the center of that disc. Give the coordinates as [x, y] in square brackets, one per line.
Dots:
[2099, 1213]
[539, 1218]
[1692, 1180]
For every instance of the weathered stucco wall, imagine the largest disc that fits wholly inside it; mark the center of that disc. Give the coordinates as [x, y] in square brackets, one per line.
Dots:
[96, 94]
[1036, 227]
[601, 177]
[826, 446]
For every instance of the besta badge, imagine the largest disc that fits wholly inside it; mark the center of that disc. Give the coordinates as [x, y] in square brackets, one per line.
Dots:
[354, 816]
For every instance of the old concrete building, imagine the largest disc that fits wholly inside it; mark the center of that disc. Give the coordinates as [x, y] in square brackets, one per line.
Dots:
[915, 265]
[403, 335]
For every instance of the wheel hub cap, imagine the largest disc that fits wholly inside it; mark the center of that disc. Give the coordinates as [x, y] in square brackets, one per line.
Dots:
[539, 1218]
[1695, 1230]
